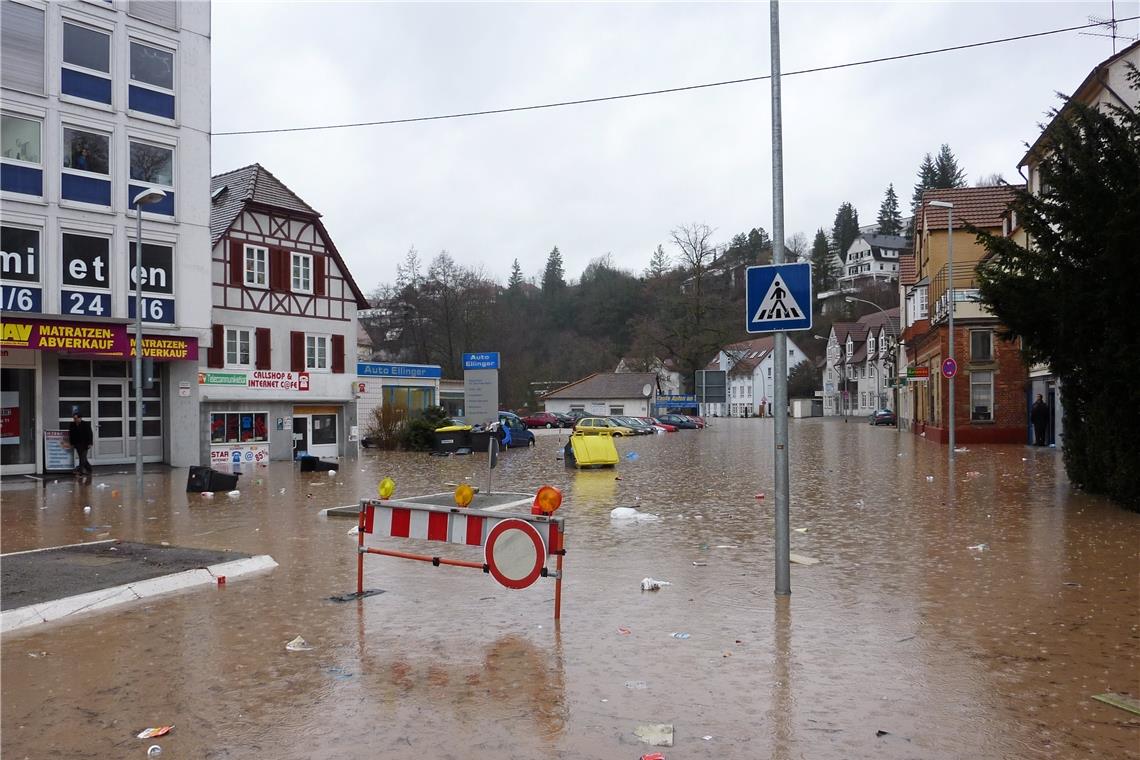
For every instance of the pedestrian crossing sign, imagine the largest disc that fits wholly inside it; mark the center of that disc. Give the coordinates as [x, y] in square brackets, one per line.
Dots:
[778, 298]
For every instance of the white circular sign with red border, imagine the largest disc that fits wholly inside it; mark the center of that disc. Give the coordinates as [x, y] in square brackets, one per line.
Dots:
[515, 553]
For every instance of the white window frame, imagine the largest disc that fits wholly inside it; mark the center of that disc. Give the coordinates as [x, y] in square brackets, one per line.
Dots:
[990, 384]
[147, 85]
[249, 276]
[100, 132]
[235, 334]
[63, 64]
[317, 340]
[39, 122]
[294, 283]
[131, 141]
[923, 304]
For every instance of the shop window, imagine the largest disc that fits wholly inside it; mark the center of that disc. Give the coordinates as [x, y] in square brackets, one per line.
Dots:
[617, 410]
[74, 368]
[66, 407]
[238, 427]
[981, 345]
[409, 399]
[109, 369]
[981, 396]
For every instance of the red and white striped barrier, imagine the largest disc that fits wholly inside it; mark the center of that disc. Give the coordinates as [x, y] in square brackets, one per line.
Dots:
[516, 547]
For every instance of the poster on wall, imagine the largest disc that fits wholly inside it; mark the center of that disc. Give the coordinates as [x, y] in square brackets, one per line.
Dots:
[248, 454]
[57, 454]
[9, 417]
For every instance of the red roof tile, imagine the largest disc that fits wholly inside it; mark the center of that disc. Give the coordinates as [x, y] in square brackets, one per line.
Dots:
[908, 269]
[979, 206]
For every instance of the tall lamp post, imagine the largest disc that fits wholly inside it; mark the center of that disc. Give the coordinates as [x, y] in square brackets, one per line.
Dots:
[950, 290]
[894, 342]
[145, 198]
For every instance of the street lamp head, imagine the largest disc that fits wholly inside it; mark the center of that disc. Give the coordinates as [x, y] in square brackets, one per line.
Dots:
[940, 204]
[149, 196]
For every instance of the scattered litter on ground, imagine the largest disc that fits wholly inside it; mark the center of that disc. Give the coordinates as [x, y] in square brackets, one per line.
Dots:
[102, 485]
[907, 638]
[1123, 701]
[281, 491]
[656, 734]
[979, 547]
[700, 564]
[1025, 459]
[630, 513]
[961, 450]
[652, 584]
[1072, 584]
[94, 528]
[707, 738]
[929, 478]
[632, 456]
[298, 645]
[623, 630]
[800, 559]
[233, 494]
[859, 504]
[332, 473]
[354, 596]
[681, 635]
[800, 530]
[725, 546]
[759, 496]
[37, 654]
[653, 756]
[153, 750]
[164, 543]
[881, 732]
[973, 474]
[152, 733]
[87, 510]
[636, 685]
[208, 494]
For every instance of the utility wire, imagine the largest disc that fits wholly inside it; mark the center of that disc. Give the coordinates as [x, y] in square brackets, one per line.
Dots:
[666, 91]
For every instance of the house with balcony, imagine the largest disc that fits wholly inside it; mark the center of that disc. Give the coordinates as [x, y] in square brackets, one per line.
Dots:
[872, 259]
[102, 102]
[990, 384]
[1106, 85]
[280, 376]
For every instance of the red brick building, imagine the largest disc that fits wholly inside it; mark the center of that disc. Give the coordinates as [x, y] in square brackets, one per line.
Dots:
[991, 384]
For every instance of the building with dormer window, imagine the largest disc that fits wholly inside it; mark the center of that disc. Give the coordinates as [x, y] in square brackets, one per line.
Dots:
[279, 378]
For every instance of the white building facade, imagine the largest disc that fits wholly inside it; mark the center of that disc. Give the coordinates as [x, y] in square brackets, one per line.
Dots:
[100, 102]
[751, 386]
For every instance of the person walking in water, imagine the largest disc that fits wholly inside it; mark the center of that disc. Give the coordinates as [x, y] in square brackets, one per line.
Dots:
[80, 437]
[1039, 416]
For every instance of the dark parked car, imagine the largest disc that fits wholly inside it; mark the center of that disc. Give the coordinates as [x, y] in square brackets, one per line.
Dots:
[883, 417]
[679, 421]
[633, 423]
[542, 420]
[520, 436]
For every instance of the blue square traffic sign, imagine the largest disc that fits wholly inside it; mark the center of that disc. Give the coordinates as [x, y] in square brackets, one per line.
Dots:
[778, 297]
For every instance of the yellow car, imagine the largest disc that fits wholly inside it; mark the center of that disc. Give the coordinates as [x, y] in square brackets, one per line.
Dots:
[600, 426]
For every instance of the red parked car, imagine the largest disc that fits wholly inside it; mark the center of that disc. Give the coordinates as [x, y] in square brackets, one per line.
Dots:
[542, 419]
[698, 421]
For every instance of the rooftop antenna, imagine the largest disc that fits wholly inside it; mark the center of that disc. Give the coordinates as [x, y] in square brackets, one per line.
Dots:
[1111, 25]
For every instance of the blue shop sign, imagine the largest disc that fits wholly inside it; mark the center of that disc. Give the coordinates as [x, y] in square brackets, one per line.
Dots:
[376, 369]
[486, 360]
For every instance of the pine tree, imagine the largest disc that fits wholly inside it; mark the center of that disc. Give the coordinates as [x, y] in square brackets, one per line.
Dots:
[823, 271]
[553, 277]
[890, 222]
[926, 178]
[844, 230]
[658, 263]
[947, 173]
[516, 280]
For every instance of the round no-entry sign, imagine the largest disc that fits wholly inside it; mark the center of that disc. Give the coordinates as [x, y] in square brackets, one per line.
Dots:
[515, 553]
[949, 368]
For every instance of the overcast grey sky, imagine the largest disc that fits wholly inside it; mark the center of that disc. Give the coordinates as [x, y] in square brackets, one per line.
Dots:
[616, 177]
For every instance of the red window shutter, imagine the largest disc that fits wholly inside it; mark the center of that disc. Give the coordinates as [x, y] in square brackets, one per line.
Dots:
[296, 351]
[216, 356]
[319, 275]
[279, 274]
[263, 350]
[237, 262]
[338, 353]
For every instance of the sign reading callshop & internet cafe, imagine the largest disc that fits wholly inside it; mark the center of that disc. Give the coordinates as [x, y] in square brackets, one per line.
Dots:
[261, 379]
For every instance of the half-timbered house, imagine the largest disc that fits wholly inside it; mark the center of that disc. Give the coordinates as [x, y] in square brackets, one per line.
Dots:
[280, 376]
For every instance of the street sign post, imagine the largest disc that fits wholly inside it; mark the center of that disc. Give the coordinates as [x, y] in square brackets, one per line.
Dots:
[779, 298]
[949, 368]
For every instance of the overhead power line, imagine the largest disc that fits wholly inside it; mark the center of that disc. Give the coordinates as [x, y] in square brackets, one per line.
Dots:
[668, 90]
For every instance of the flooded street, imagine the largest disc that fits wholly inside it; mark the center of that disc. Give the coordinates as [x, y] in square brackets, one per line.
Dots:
[901, 628]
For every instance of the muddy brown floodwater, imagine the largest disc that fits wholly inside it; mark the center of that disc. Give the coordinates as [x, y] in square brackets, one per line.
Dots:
[901, 628]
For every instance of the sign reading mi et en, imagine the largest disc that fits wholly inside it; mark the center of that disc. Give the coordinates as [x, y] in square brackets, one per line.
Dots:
[105, 340]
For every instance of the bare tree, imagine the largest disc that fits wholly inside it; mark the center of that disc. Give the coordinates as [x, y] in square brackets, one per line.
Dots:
[797, 247]
[991, 180]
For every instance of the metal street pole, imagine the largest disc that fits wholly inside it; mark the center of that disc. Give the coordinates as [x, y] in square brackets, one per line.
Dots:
[783, 534]
[950, 281]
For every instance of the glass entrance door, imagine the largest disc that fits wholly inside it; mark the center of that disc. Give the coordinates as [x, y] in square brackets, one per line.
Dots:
[109, 419]
[17, 420]
[300, 434]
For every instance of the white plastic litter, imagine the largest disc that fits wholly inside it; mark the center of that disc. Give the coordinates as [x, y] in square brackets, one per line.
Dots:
[800, 530]
[87, 510]
[801, 559]
[153, 750]
[298, 645]
[929, 478]
[332, 473]
[979, 547]
[233, 494]
[652, 584]
[208, 494]
[354, 530]
[630, 513]
[102, 485]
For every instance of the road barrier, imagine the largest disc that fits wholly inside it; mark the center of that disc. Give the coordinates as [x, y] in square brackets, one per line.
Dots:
[516, 547]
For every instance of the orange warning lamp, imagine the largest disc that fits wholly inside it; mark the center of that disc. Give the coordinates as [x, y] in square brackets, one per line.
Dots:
[546, 501]
[386, 488]
[463, 495]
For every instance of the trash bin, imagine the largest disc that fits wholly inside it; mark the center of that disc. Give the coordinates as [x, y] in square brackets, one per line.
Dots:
[206, 479]
[223, 481]
[313, 464]
[479, 441]
[450, 441]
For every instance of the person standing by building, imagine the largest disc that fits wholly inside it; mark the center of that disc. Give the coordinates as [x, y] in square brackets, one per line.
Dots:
[80, 437]
[1039, 416]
